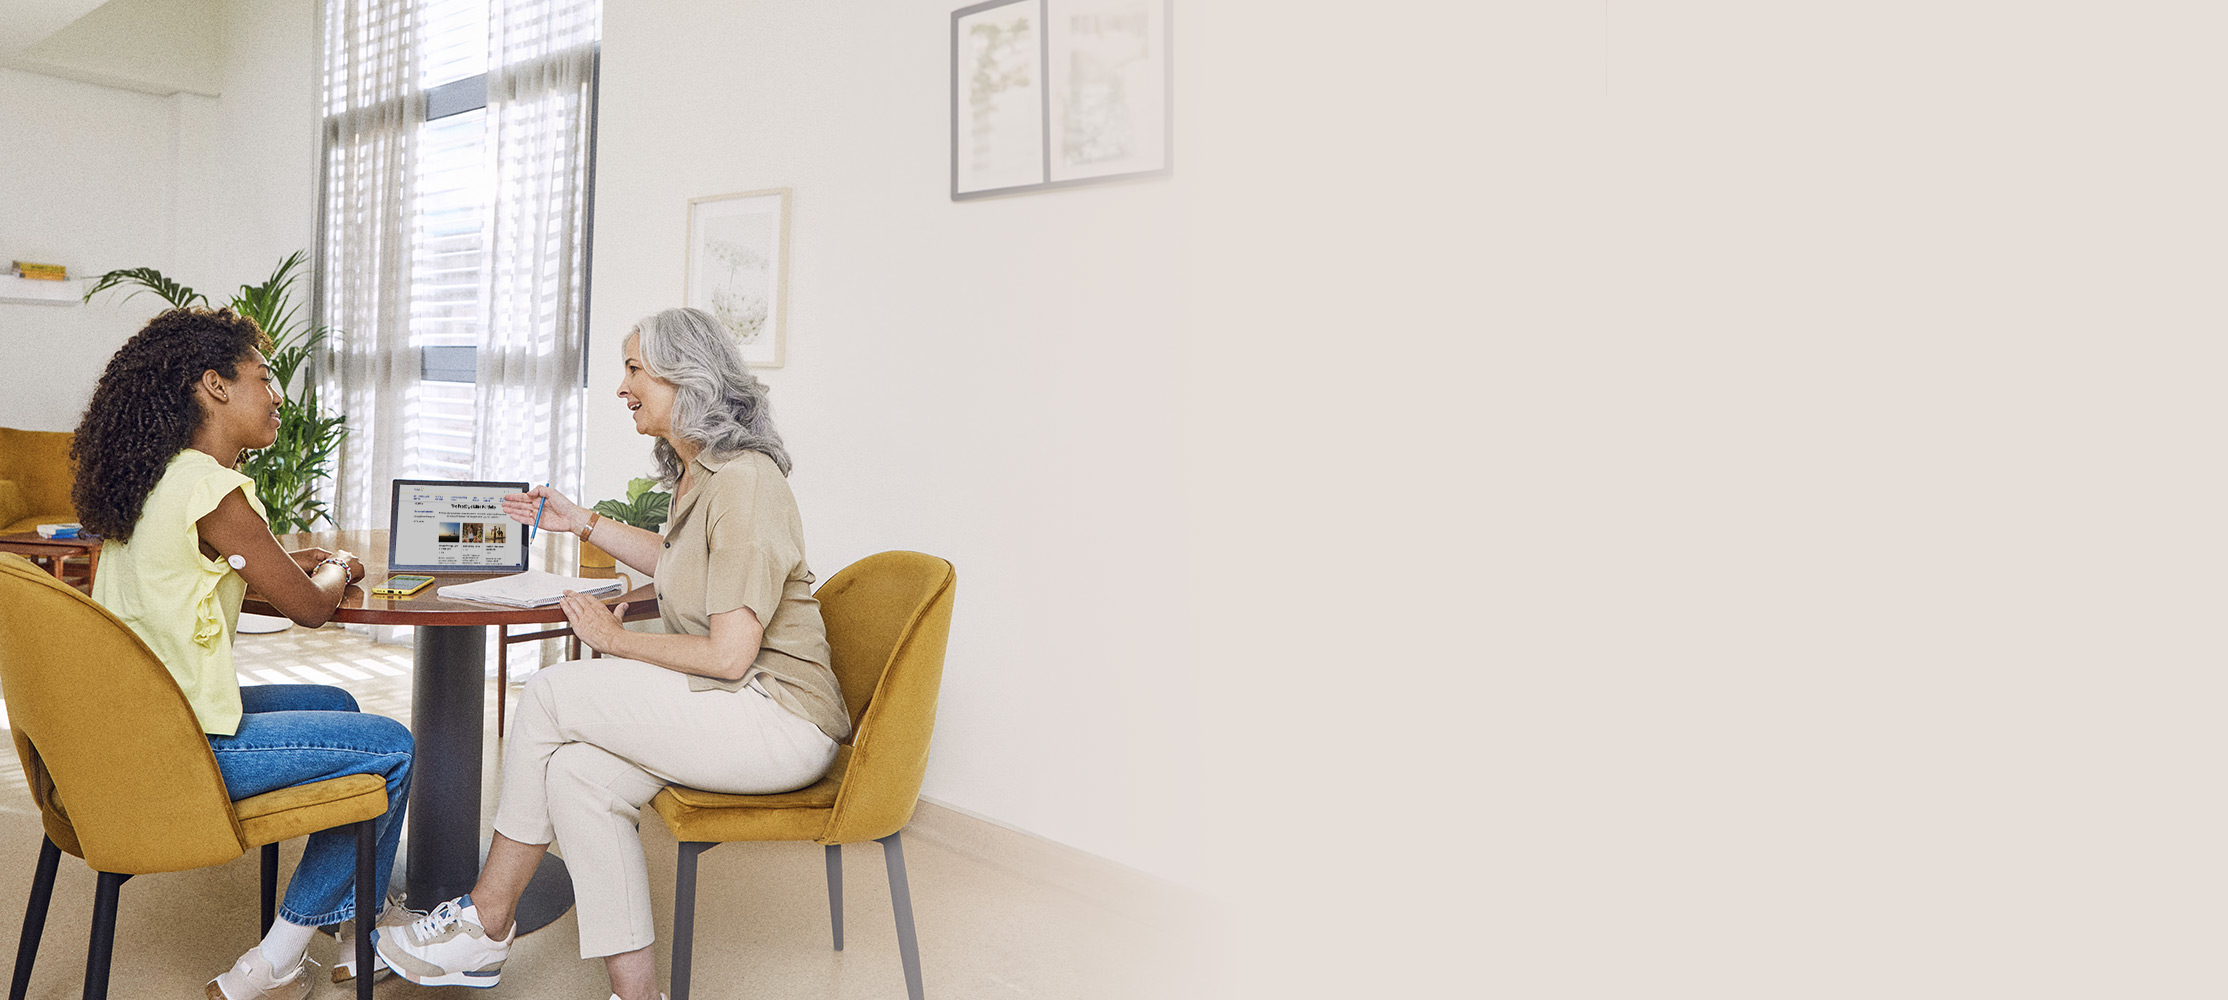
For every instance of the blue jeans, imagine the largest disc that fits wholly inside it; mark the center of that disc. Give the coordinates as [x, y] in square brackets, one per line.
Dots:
[294, 734]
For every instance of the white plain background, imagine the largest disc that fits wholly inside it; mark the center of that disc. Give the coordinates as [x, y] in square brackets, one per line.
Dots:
[1792, 561]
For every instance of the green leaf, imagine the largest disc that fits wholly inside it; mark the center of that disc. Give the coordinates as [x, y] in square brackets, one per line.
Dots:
[652, 509]
[148, 280]
[647, 510]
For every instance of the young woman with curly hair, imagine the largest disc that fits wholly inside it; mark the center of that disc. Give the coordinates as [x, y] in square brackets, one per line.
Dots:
[183, 535]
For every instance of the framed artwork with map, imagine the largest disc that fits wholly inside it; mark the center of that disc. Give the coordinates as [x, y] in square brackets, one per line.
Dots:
[1055, 93]
[738, 269]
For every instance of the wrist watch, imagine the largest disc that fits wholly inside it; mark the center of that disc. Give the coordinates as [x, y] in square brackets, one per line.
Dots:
[593, 517]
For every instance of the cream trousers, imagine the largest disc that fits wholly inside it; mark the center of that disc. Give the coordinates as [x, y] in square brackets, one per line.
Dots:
[593, 740]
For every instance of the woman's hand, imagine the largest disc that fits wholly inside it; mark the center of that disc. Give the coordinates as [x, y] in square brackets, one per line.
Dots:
[308, 558]
[559, 514]
[595, 624]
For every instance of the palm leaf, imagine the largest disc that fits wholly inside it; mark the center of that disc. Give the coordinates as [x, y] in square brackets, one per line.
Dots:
[270, 304]
[149, 280]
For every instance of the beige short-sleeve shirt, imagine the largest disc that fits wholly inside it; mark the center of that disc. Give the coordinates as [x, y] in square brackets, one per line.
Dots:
[735, 541]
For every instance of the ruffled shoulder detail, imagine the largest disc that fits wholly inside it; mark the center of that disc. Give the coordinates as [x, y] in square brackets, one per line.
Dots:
[208, 605]
[206, 483]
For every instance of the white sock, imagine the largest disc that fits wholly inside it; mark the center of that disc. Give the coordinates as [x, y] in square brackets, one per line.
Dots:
[285, 945]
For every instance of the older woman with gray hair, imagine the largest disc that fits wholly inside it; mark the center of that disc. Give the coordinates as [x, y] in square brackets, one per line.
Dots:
[735, 696]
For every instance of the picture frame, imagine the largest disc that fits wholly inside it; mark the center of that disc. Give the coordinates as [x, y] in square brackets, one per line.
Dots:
[1085, 88]
[998, 63]
[737, 269]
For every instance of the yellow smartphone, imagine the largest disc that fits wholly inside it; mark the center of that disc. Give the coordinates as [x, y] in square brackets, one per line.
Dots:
[402, 586]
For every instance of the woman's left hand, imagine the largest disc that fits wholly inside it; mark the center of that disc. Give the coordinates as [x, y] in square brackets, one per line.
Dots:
[595, 624]
[308, 558]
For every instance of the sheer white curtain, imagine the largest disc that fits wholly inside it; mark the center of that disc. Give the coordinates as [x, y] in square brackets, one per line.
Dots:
[373, 111]
[540, 85]
[468, 232]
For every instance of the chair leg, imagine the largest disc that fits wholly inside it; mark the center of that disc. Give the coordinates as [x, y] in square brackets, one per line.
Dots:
[684, 914]
[367, 905]
[835, 892]
[104, 935]
[901, 900]
[270, 887]
[502, 675]
[34, 918]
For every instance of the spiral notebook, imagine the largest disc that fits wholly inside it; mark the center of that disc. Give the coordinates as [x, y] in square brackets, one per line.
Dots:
[531, 589]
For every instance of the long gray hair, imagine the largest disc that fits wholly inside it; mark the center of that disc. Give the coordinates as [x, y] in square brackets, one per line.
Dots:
[717, 403]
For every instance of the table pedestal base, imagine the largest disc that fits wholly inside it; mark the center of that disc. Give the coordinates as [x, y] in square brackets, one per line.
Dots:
[448, 702]
[448, 708]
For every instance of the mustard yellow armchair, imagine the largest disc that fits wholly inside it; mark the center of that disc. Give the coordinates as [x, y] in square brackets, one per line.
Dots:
[124, 777]
[888, 618]
[35, 474]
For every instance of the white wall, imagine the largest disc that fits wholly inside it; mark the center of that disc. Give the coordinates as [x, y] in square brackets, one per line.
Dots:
[156, 46]
[995, 382]
[251, 180]
[212, 191]
[91, 183]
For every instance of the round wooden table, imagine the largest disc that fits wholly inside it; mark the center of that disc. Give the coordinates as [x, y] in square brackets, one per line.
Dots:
[448, 720]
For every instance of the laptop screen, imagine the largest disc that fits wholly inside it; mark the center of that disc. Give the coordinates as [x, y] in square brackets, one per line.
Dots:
[443, 526]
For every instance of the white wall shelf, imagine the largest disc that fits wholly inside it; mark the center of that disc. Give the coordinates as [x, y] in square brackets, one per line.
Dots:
[45, 293]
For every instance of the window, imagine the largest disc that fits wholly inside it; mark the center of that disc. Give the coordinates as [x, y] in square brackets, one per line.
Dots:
[445, 251]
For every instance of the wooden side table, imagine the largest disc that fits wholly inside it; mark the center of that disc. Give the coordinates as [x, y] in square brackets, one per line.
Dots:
[55, 554]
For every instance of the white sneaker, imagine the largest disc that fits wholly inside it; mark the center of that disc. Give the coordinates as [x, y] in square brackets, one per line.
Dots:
[394, 914]
[446, 947]
[252, 978]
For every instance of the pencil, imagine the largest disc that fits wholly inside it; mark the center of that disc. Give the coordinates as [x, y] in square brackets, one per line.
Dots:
[538, 508]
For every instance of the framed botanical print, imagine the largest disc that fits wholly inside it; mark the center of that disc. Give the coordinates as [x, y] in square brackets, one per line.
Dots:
[738, 269]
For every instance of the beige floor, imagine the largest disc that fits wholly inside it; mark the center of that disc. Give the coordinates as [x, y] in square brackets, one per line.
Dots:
[989, 925]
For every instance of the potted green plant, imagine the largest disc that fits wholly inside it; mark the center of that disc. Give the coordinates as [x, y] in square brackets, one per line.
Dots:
[645, 507]
[287, 473]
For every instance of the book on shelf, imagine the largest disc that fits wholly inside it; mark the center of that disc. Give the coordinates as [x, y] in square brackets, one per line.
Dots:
[66, 529]
[39, 272]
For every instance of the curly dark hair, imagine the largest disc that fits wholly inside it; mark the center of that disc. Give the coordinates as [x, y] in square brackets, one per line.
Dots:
[144, 412]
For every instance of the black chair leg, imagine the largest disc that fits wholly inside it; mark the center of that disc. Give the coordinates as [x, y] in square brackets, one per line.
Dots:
[901, 900]
[270, 887]
[684, 914]
[367, 905]
[104, 935]
[34, 918]
[835, 892]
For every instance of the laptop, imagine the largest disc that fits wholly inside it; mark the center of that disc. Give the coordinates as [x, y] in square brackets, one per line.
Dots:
[446, 526]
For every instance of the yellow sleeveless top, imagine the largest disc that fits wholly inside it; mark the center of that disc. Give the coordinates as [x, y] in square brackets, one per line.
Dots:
[182, 604]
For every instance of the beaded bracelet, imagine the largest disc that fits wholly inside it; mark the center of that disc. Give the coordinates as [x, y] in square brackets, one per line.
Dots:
[346, 574]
